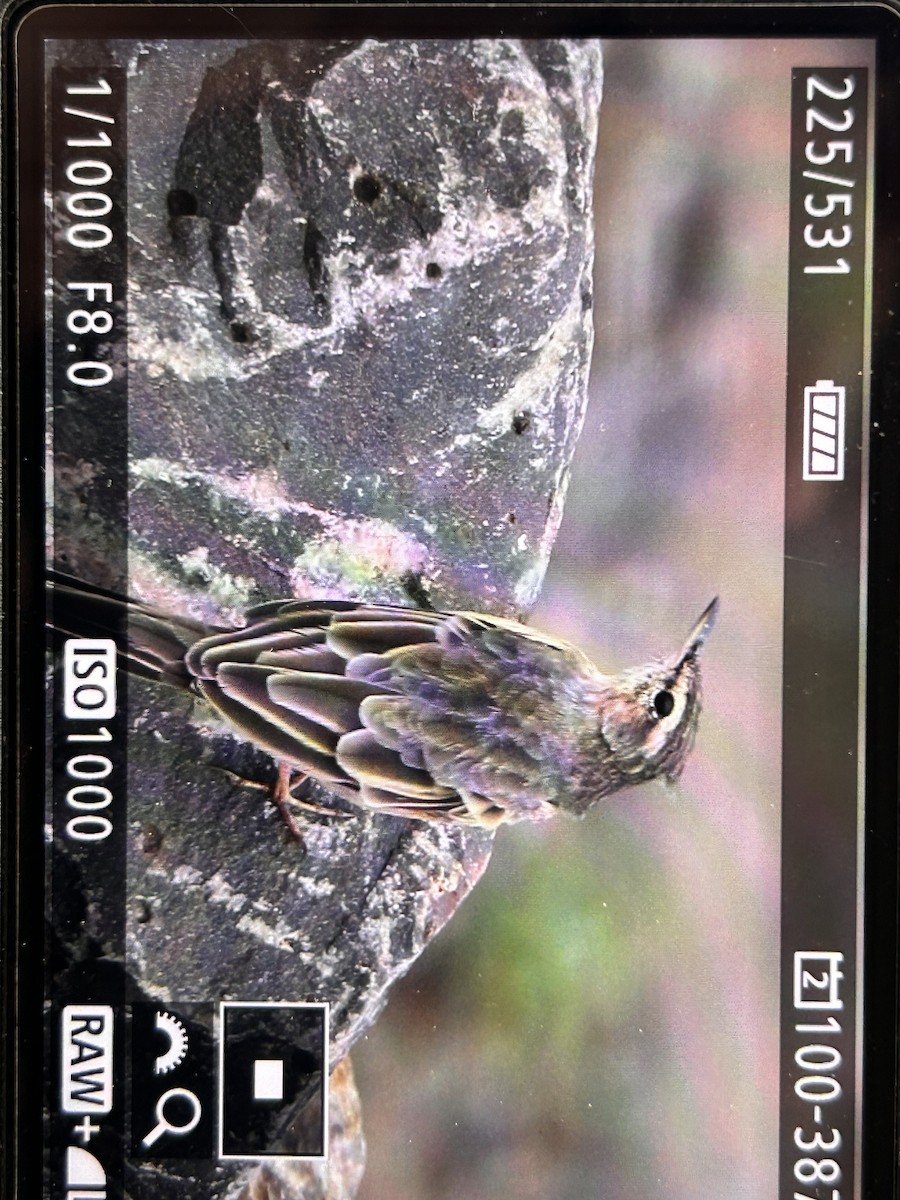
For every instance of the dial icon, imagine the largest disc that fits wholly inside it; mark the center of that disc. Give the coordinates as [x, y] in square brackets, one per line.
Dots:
[177, 1047]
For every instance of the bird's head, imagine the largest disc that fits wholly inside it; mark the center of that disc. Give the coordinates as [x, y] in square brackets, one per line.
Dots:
[648, 715]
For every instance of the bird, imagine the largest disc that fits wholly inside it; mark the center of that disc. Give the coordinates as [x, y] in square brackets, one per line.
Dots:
[435, 716]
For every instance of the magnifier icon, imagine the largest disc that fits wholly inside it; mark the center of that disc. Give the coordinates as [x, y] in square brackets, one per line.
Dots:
[165, 1126]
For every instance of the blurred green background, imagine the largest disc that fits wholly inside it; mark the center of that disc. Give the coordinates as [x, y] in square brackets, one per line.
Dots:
[600, 1019]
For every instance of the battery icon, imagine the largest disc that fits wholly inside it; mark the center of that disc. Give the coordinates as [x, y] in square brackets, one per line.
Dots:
[823, 430]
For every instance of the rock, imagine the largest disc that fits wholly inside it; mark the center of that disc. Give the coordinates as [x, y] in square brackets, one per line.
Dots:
[339, 1178]
[360, 328]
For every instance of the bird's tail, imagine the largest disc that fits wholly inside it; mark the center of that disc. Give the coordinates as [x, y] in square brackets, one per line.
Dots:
[151, 643]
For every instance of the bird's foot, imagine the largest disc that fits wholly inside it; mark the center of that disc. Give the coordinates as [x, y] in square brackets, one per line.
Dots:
[282, 795]
[321, 810]
[283, 798]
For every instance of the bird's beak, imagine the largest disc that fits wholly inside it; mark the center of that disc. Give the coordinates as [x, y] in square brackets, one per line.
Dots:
[698, 634]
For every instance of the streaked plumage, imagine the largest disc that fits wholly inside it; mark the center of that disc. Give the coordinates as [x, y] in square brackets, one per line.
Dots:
[437, 716]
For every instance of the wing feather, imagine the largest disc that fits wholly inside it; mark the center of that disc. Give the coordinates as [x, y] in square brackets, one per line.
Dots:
[249, 685]
[246, 649]
[314, 658]
[303, 626]
[350, 637]
[375, 765]
[437, 810]
[330, 701]
[298, 608]
[249, 724]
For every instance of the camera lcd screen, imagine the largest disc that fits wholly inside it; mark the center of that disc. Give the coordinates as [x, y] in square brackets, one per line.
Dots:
[528, 364]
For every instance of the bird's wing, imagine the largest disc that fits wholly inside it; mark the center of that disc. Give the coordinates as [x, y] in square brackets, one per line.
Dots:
[398, 709]
[283, 682]
[394, 708]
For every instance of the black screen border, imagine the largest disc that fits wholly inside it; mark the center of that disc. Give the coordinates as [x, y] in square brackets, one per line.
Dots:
[24, 26]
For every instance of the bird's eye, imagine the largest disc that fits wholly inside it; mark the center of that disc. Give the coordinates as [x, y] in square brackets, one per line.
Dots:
[663, 703]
